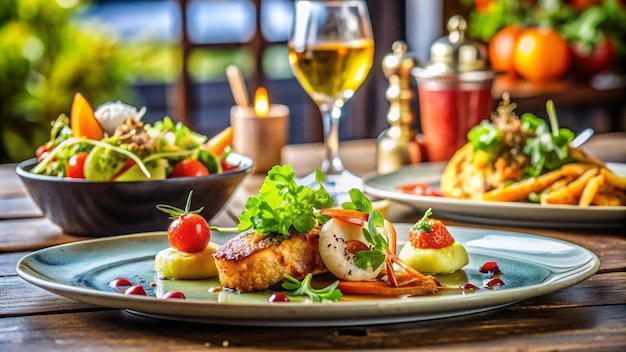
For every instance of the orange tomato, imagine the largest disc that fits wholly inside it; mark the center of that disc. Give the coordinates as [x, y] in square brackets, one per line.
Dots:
[541, 55]
[502, 48]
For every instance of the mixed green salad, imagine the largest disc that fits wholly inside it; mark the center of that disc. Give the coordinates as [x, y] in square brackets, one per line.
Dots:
[126, 149]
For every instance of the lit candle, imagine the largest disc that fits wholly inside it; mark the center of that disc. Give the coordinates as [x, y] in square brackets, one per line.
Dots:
[260, 131]
[261, 102]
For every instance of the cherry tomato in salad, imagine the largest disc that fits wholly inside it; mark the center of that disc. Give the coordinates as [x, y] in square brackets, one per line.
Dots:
[189, 168]
[76, 165]
[42, 152]
[227, 166]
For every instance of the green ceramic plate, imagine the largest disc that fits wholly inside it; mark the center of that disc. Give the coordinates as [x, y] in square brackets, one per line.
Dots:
[531, 265]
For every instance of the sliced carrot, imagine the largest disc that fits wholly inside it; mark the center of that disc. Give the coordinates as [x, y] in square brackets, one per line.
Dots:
[355, 217]
[218, 143]
[407, 286]
[83, 121]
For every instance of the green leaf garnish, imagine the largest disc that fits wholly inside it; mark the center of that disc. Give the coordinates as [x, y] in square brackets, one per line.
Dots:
[375, 233]
[358, 201]
[329, 293]
[424, 224]
[282, 204]
[546, 145]
[549, 148]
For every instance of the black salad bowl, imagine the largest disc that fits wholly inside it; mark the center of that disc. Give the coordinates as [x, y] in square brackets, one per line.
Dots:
[96, 209]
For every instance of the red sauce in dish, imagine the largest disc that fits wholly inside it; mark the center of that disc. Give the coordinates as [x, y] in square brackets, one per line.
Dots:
[419, 188]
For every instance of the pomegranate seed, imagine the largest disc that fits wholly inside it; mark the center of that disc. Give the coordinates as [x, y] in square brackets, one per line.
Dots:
[278, 298]
[120, 284]
[468, 286]
[490, 267]
[173, 294]
[494, 282]
[136, 290]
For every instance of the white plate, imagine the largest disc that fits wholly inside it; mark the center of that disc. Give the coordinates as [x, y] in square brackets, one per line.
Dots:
[531, 266]
[492, 213]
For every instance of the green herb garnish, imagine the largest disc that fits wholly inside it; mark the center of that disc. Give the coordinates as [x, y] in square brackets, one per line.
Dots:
[329, 293]
[374, 234]
[283, 205]
[424, 224]
[546, 145]
[549, 148]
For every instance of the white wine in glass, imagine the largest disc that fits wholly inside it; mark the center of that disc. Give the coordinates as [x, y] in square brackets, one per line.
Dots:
[331, 51]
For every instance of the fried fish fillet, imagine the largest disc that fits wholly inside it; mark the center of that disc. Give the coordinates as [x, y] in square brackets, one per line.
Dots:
[254, 262]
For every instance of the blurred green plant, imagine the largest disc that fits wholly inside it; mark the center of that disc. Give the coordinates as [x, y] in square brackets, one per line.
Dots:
[45, 58]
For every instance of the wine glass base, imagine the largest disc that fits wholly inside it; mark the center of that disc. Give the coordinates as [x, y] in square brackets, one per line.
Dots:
[337, 185]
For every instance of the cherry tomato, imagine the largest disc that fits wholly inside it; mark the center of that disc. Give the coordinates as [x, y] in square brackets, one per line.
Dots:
[189, 233]
[228, 167]
[189, 168]
[76, 165]
[42, 152]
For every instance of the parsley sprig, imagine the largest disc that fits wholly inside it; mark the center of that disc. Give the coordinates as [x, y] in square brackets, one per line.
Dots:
[425, 224]
[282, 204]
[375, 233]
[329, 293]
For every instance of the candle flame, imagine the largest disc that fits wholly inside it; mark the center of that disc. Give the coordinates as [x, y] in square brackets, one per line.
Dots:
[261, 102]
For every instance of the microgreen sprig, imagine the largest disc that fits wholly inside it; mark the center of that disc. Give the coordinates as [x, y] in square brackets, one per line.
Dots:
[329, 293]
[176, 212]
[424, 224]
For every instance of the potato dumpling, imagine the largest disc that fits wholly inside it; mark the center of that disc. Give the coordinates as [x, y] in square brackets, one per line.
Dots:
[435, 261]
[173, 264]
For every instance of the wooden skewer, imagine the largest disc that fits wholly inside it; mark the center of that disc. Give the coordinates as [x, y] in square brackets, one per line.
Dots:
[237, 85]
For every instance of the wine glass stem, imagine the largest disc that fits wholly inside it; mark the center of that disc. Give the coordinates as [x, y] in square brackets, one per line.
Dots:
[330, 119]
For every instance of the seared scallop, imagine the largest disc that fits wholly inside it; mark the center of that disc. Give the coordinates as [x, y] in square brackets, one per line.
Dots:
[337, 244]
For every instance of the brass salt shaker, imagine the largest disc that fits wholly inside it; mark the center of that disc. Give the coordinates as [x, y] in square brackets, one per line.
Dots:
[397, 145]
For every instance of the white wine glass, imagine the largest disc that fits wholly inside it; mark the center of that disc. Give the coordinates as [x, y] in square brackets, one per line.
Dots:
[331, 51]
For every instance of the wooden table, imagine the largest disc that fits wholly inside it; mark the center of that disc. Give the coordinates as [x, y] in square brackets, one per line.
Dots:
[588, 316]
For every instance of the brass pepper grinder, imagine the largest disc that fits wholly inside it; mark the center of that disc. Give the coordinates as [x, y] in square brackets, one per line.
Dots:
[397, 145]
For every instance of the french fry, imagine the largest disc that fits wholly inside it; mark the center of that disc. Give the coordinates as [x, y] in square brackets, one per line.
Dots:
[590, 190]
[575, 169]
[613, 180]
[571, 193]
[521, 190]
[609, 196]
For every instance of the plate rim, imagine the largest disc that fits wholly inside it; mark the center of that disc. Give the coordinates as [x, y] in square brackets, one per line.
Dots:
[359, 312]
